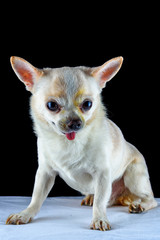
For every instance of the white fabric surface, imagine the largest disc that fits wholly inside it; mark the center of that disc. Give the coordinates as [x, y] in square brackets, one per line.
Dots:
[63, 218]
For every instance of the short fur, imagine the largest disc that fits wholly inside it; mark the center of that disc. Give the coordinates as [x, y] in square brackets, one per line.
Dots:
[94, 158]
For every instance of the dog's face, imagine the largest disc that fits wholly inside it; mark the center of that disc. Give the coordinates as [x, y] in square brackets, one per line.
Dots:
[65, 98]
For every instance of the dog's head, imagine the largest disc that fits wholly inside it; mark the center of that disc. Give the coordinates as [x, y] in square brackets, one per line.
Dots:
[65, 98]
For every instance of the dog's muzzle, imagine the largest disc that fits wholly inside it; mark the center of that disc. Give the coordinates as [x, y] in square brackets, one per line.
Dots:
[70, 127]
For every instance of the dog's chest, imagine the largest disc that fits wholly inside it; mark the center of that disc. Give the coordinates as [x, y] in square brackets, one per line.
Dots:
[79, 180]
[71, 162]
[75, 174]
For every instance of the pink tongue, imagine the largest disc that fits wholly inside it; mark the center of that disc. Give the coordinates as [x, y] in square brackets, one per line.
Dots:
[71, 136]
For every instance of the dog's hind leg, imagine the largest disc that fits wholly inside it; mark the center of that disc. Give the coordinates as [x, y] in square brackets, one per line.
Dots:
[136, 180]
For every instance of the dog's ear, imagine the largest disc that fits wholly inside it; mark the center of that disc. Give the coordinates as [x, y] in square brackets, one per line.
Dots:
[107, 71]
[27, 73]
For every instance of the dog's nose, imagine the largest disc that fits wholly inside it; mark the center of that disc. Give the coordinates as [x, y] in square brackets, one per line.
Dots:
[75, 125]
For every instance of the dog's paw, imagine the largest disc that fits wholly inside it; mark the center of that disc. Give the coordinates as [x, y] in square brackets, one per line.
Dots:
[19, 218]
[135, 208]
[100, 224]
[88, 200]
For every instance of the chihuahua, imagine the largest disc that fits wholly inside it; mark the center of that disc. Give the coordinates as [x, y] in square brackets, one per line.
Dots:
[79, 143]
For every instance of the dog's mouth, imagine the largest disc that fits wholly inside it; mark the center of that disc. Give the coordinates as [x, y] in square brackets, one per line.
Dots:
[70, 127]
[71, 136]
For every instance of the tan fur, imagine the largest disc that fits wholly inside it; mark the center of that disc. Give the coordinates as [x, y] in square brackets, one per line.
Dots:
[77, 141]
[125, 200]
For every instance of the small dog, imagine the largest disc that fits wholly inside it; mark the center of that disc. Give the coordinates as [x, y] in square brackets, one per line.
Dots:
[78, 142]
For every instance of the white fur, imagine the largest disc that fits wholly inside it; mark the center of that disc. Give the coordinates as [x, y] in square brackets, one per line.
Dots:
[97, 157]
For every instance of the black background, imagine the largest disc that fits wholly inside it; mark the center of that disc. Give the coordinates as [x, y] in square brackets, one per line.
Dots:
[72, 35]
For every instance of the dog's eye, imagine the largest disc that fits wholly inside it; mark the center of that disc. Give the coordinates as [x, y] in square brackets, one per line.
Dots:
[86, 105]
[53, 106]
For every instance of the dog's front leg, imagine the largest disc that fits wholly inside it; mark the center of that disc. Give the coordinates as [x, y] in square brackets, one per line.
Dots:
[43, 184]
[101, 198]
